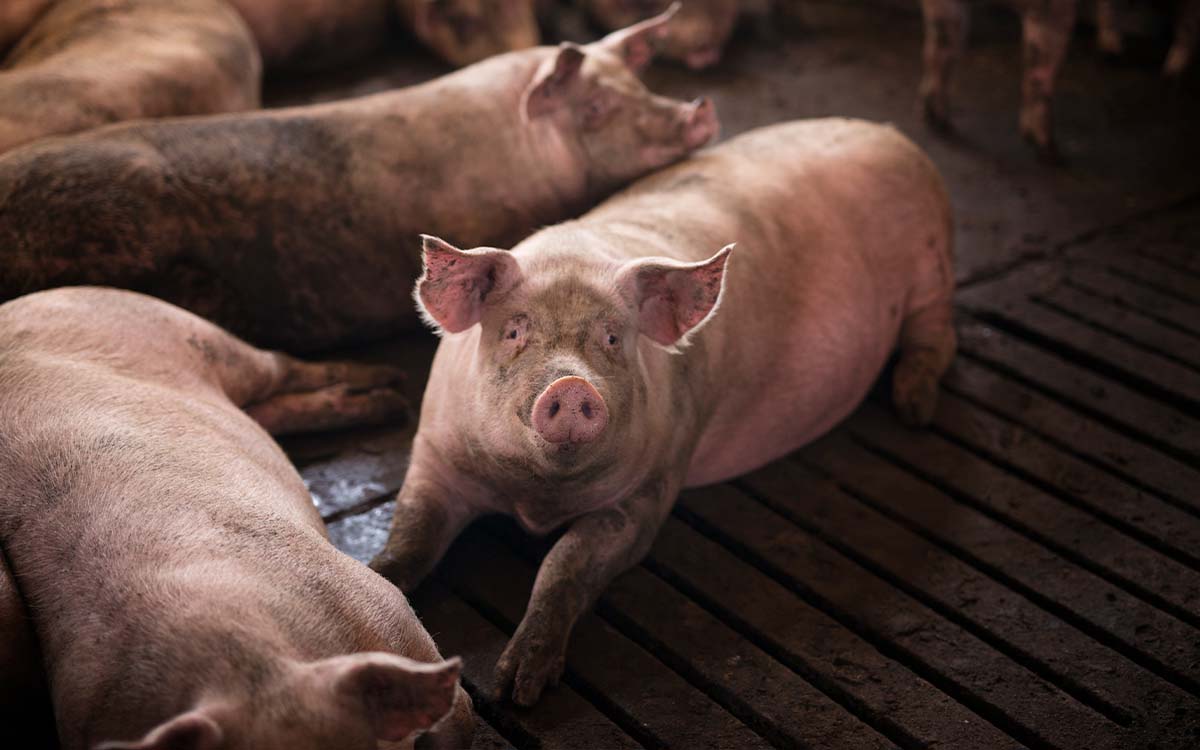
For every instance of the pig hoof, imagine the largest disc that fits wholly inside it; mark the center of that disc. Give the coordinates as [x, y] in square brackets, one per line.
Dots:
[528, 665]
[915, 398]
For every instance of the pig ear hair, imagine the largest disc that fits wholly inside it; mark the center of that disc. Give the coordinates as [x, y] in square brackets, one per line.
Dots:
[400, 696]
[551, 82]
[674, 300]
[451, 292]
[637, 44]
[193, 730]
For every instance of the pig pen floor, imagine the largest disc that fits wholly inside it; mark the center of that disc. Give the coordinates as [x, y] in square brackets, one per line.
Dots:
[1026, 572]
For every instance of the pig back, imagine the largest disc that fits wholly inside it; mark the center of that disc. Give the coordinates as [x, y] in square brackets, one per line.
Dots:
[841, 227]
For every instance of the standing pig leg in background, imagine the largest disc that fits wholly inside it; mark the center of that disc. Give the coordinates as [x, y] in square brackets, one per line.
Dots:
[1046, 33]
[945, 36]
[1187, 30]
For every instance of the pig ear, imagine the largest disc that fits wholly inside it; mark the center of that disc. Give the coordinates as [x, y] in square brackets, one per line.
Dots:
[549, 87]
[194, 730]
[637, 44]
[400, 696]
[673, 300]
[456, 283]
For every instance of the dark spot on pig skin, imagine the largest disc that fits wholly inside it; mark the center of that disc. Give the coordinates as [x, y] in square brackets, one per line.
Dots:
[893, 311]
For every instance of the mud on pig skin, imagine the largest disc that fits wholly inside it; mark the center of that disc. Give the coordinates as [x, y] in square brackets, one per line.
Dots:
[295, 228]
[587, 376]
[176, 574]
[86, 63]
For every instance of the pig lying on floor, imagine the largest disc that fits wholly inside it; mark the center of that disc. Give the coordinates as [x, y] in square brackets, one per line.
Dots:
[175, 572]
[587, 376]
[86, 63]
[288, 227]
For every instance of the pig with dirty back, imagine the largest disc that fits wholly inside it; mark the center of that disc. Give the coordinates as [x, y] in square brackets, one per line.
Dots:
[603, 364]
[167, 555]
[287, 226]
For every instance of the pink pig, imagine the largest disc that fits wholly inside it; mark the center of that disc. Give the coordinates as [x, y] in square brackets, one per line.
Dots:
[603, 364]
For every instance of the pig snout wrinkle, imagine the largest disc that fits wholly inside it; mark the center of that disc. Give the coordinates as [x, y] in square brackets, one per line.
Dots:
[570, 410]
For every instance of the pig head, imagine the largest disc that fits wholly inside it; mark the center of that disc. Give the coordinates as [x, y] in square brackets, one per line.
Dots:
[697, 36]
[559, 394]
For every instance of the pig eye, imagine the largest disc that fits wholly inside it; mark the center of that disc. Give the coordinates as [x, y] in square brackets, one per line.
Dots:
[612, 340]
[512, 334]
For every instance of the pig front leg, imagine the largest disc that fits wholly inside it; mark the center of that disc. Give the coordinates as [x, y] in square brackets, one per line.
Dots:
[1046, 32]
[596, 548]
[1187, 29]
[945, 36]
[428, 517]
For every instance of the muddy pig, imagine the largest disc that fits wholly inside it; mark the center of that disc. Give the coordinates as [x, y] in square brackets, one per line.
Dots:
[86, 63]
[177, 576]
[288, 226]
[699, 35]
[603, 364]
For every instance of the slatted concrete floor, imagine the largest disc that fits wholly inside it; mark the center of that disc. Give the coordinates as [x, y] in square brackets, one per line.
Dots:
[1024, 573]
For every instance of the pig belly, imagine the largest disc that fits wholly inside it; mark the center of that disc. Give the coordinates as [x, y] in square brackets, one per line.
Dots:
[804, 404]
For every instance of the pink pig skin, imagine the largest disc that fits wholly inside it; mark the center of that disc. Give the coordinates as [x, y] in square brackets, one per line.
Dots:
[165, 556]
[701, 363]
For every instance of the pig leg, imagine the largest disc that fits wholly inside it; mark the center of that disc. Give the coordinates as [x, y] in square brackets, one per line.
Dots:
[1187, 29]
[427, 519]
[927, 346]
[945, 36]
[24, 700]
[324, 396]
[1108, 33]
[595, 549]
[1046, 32]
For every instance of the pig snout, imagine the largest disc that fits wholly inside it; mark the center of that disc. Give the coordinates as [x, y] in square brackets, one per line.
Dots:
[701, 124]
[570, 410]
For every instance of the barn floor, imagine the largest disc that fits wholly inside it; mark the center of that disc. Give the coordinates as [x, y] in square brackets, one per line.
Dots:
[1024, 573]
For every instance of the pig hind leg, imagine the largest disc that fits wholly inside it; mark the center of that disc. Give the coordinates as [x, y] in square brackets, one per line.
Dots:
[310, 396]
[1108, 32]
[1046, 33]
[927, 346]
[945, 37]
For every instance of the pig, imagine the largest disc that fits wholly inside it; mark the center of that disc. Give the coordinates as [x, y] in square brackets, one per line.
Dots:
[283, 226]
[175, 571]
[703, 28]
[87, 63]
[1046, 27]
[462, 32]
[605, 363]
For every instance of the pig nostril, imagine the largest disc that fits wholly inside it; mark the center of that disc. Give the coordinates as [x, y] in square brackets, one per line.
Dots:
[586, 409]
[554, 409]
